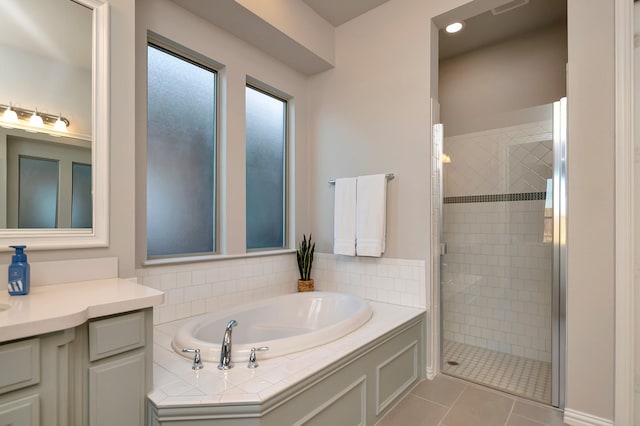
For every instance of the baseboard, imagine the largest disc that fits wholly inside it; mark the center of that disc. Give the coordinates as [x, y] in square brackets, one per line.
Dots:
[577, 418]
[431, 374]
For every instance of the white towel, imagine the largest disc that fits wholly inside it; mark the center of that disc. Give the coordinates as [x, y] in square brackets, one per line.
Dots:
[371, 215]
[344, 217]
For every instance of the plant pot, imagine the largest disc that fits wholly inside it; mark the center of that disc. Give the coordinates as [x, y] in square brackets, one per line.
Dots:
[305, 285]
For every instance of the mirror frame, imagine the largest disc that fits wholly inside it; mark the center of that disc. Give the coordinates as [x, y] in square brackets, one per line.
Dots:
[98, 235]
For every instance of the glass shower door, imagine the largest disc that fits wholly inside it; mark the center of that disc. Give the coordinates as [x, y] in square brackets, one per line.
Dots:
[499, 292]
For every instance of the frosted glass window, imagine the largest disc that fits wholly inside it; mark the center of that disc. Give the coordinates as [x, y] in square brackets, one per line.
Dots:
[181, 155]
[265, 171]
[81, 200]
[38, 193]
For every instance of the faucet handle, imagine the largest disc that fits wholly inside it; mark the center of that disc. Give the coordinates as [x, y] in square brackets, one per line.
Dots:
[197, 361]
[252, 357]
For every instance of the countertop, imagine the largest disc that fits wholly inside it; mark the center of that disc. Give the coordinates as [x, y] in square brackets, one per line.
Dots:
[175, 384]
[56, 307]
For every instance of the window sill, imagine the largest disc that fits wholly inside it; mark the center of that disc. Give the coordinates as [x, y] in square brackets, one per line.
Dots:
[214, 257]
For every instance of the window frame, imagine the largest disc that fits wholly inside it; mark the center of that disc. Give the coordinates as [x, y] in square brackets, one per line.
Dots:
[276, 94]
[207, 64]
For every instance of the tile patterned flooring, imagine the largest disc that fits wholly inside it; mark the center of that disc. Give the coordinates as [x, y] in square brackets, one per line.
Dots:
[510, 373]
[447, 401]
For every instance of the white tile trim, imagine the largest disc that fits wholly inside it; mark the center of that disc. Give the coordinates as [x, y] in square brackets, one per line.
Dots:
[578, 418]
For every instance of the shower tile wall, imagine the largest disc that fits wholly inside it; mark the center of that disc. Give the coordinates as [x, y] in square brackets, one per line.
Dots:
[497, 271]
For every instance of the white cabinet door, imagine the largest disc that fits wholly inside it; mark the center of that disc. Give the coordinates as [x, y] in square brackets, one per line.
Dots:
[117, 391]
[21, 412]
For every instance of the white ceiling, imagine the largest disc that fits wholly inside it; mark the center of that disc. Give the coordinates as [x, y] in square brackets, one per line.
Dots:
[337, 12]
[56, 29]
[37, 26]
[482, 26]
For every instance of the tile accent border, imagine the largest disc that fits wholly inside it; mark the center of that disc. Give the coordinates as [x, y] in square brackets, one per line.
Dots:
[493, 198]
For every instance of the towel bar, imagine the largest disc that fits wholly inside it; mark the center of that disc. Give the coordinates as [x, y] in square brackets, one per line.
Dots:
[389, 176]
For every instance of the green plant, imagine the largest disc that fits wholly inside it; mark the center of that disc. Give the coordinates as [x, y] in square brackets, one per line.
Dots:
[305, 257]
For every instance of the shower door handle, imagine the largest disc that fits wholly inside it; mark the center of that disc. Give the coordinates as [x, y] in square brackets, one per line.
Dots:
[443, 249]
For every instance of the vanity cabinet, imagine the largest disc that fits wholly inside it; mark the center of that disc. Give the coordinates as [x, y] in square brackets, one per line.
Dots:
[117, 370]
[36, 380]
[95, 374]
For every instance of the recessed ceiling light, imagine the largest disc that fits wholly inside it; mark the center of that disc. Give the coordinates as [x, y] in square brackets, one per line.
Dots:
[454, 27]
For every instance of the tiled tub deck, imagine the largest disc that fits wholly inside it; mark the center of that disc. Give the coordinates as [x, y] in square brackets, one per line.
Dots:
[378, 363]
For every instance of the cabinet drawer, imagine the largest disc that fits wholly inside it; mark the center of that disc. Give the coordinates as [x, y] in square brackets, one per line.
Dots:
[115, 335]
[19, 365]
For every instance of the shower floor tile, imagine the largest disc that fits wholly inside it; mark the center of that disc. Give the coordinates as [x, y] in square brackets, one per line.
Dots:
[510, 373]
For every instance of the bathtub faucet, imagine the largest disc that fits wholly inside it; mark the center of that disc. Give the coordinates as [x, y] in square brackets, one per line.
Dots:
[225, 349]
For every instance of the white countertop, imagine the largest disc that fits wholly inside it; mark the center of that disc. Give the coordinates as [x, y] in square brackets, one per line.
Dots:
[176, 384]
[57, 307]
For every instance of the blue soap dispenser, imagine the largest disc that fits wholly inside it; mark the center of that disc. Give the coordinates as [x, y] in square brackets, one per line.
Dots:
[19, 272]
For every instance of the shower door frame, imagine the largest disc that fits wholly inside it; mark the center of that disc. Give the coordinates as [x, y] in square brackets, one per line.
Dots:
[559, 278]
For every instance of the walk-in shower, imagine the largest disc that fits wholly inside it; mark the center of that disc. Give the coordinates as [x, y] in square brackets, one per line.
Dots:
[502, 254]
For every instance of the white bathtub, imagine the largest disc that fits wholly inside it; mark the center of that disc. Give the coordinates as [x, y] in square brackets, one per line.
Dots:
[286, 324]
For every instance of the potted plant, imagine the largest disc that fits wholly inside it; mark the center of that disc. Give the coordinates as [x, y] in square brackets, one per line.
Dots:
[304, 255]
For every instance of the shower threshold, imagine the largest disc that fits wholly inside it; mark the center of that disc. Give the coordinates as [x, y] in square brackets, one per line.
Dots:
[514, 374]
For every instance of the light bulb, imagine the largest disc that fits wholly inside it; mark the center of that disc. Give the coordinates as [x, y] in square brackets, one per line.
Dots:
[60, 125]
[36, 120]
[454, 27]
[10, 116]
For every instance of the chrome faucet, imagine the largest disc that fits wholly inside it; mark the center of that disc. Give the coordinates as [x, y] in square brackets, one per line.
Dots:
[225, 349]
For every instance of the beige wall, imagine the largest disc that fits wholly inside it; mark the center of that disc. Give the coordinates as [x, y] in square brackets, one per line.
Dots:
[236, 61]
[122, 164]
[371, 114]
[477, 88]
[590, 189]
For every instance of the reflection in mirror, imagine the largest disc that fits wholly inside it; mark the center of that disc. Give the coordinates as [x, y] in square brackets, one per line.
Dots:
[47, 180]
[53, 124]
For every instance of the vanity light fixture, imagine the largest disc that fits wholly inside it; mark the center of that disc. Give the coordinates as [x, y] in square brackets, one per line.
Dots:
[60, 125]
[9, 115]
[26, 118]
[36, 120]
[454, 27]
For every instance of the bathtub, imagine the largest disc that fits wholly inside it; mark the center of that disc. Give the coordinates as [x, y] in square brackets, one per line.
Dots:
[286, 324]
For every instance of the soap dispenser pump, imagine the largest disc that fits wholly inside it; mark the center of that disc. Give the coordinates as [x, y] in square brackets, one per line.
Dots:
[19, 272]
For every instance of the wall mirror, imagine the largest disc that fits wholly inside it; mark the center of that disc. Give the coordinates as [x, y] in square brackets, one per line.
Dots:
[53, 123]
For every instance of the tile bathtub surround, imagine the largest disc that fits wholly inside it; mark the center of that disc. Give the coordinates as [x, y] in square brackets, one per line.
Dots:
[397, 281]
[196, 288]
[175, 383]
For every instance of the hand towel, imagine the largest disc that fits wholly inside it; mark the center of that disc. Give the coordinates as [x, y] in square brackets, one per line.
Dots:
[344, 217]
[371, 215]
